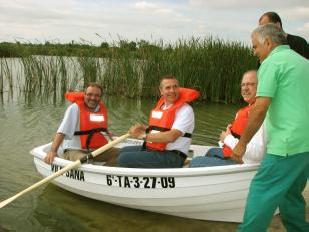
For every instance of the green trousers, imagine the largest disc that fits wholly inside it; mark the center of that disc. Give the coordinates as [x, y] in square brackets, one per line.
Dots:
[279, 182]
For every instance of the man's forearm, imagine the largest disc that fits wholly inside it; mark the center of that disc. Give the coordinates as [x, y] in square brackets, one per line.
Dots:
[256, 118]
[57, 141]
[254, 123]
[164, 137]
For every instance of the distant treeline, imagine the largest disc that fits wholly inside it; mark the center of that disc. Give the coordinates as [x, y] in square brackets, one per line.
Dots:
[132, 69]
[18, 49]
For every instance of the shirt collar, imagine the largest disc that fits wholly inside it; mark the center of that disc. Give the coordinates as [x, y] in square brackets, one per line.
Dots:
[279, 49]
[97, 108]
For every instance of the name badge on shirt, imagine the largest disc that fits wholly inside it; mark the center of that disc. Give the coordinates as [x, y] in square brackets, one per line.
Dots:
[96, 118]
[156, 114]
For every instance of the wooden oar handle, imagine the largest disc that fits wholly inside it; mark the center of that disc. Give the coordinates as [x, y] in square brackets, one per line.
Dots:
[75, 164]
[109, 145]
[70, 166]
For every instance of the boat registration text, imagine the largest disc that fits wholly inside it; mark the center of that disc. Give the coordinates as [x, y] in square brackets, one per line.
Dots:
[140, 182]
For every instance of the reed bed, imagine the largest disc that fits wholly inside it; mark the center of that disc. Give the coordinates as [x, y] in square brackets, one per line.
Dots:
[6, 76]
[213, 66]
[130, 69]
[49, 76]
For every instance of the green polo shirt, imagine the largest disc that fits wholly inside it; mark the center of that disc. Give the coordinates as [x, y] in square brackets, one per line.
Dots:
[284, 77]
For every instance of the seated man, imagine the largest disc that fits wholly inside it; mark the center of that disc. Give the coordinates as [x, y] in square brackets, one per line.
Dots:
[229, 138]
[82, 126]
[171, 124]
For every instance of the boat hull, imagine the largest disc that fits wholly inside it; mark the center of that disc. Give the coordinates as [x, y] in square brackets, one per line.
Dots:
[212, 193]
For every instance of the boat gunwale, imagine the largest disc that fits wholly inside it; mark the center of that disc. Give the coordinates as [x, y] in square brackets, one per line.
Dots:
[39, 153]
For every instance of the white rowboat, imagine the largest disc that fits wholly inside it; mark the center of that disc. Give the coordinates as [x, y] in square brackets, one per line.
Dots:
[208, 193]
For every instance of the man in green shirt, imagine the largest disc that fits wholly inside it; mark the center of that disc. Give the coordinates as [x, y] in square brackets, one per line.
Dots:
[283, 98]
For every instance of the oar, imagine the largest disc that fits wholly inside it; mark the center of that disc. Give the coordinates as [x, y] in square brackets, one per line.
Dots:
[75, 164]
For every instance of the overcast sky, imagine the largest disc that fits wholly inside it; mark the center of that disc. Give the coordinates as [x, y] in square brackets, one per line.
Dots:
[95, 21]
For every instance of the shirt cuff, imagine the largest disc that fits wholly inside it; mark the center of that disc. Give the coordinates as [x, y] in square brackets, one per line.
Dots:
[230, 141]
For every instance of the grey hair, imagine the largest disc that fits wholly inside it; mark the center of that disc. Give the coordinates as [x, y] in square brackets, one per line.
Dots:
[270, 31]
[253, 71]
[250, 71]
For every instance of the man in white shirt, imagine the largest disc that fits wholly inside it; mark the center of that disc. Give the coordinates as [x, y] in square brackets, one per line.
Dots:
[168, 136]
[80, 131]
[228, 139]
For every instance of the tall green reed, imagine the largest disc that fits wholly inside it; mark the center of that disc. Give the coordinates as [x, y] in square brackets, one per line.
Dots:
[46, 76]
[213, 66]
[6, 76]
[122, 74]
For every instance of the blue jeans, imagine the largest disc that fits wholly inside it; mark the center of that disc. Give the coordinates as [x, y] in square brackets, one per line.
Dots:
[213, 157]
[215, 152]
[135, 157]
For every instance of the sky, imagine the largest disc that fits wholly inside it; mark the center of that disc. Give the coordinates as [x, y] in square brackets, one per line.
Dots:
[97, 21]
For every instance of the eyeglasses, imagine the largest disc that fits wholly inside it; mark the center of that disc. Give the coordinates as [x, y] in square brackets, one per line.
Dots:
[247, 84]
[93, 95]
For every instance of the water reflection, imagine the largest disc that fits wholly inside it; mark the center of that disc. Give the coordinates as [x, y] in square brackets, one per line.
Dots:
[91, 215]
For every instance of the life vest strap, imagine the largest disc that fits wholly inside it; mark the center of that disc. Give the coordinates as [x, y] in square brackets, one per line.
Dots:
[91, 132]
[235, 135]
[87, 132]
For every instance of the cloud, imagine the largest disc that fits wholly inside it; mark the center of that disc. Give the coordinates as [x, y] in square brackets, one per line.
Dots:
[235, 19]
[304, 30]
[143, 5]
[152, 7]
[69, 20]
[295, 13]
[241, 4]
[158, 14]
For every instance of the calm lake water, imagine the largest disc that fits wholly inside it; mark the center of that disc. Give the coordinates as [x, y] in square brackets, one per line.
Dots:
[49, 208]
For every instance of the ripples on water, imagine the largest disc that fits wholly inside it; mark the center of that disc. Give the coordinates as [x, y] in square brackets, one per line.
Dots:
[49, 208]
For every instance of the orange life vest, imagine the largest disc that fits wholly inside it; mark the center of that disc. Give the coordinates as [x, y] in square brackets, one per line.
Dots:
[238, 127]
[162, 120]
[91, 123]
